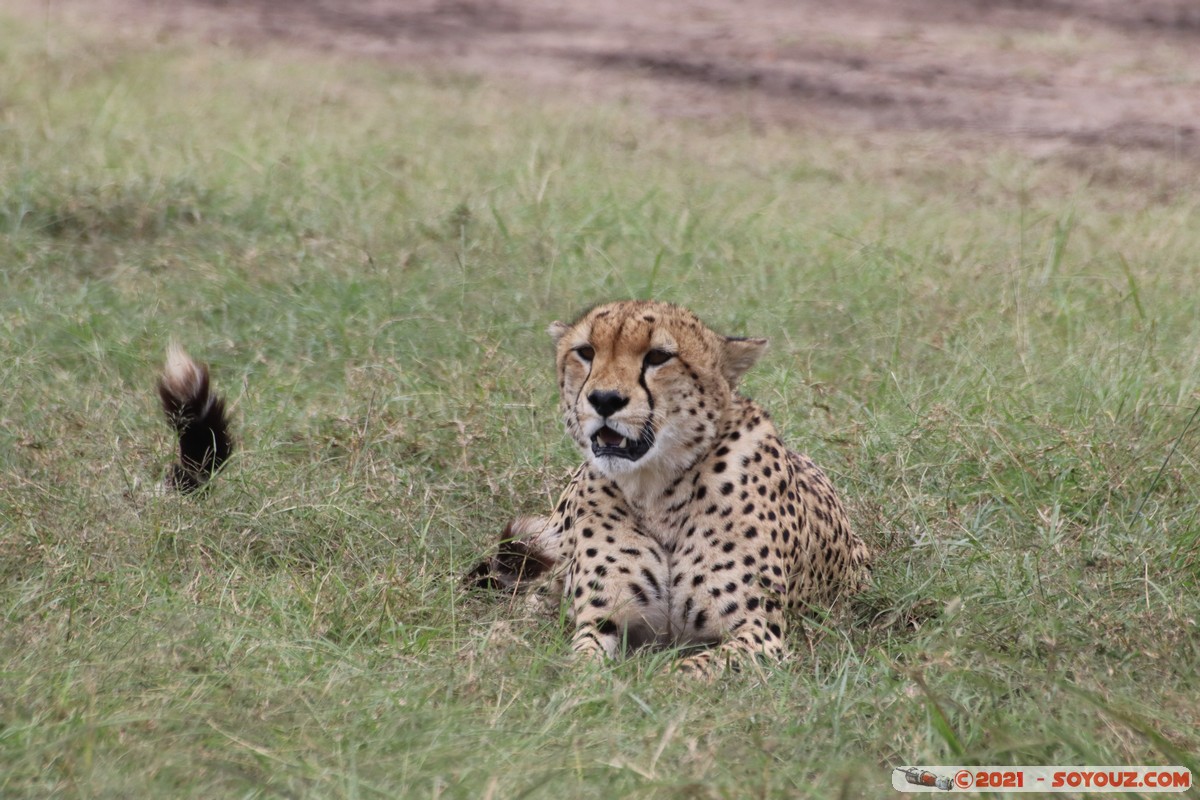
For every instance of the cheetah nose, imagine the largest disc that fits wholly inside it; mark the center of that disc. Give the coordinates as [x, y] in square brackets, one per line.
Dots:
[607, 403]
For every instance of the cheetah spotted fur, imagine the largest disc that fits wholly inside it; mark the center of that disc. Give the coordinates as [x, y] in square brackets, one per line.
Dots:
[689, 523]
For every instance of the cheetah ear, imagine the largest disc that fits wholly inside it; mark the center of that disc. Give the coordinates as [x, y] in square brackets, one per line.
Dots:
[740, 355]
[557, 330]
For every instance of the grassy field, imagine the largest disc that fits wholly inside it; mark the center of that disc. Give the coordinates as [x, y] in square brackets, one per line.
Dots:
[997, 359]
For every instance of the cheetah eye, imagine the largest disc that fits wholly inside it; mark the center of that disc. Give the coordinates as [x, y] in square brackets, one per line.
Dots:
[586, 352]
[656, 357]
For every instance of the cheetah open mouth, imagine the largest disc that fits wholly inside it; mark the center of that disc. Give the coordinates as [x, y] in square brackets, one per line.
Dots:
[607, 442]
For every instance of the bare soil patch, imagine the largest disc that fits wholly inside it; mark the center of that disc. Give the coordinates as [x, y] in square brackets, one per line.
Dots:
[1046, 75]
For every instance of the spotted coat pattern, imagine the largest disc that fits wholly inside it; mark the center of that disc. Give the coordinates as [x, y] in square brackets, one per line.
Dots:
[690, 522]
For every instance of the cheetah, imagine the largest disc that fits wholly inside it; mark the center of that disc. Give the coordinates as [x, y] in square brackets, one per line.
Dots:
[689, 523]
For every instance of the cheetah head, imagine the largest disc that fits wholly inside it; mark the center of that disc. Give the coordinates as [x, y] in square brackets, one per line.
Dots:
[644, 385]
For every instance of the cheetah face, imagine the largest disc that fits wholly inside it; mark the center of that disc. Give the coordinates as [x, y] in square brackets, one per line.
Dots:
[618, 423]
[643, 385]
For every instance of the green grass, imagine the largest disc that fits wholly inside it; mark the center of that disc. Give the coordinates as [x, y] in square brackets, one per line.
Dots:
[997, 359]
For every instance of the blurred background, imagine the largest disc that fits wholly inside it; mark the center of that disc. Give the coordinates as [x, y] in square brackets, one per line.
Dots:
[1055, 75]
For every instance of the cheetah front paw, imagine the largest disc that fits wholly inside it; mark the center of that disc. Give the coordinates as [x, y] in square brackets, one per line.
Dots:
[698, 667]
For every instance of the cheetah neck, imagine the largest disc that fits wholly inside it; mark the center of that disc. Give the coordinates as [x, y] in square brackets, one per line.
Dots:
[652, 488]
[644, 489]
[649, 489]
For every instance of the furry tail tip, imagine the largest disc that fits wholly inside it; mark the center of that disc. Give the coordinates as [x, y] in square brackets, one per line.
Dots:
[519, 559]
[198, 417]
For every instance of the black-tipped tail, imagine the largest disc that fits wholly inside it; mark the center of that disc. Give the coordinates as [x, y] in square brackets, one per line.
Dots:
[519, 559]
[198, 416]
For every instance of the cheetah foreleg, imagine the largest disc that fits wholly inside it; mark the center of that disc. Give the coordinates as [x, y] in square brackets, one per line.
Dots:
[733, 654]
[595, 642]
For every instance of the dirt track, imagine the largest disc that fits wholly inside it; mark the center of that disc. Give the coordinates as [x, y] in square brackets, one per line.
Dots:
[1047, 75]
